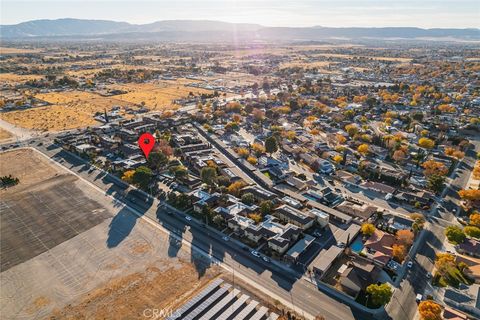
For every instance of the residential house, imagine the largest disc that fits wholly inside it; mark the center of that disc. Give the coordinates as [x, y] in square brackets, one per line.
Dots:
[379, 247]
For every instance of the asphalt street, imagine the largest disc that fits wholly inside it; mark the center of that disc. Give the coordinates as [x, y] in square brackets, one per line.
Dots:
[302, 294]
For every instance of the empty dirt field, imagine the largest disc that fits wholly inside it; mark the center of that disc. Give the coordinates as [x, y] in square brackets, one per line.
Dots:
[76, 109]
[5, 135]
[56, 259]
[158, 96]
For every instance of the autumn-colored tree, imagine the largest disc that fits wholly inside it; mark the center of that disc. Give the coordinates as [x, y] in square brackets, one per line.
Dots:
[243, 152]
[469, 195]
[337, 158]
[368, 229]
[234, 188]
[399, 156]
[252, 160]
[258, 115]
[351, 129]
[399, 252]
[363, 148]
[128, 176]
[258, 149]
[475, 219]
[430, 310]
[433, 167]
[426, 143]
[256, 217]
[340, 138]
[405, 237]
[444, 262]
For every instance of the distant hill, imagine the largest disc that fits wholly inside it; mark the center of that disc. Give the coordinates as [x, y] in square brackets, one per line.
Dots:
[198, 30]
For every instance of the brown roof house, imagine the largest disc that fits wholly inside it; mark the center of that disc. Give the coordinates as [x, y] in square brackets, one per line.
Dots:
[379, 247]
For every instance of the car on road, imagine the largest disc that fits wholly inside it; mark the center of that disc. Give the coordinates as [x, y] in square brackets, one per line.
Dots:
[429, 275]
[188, 218]
[225, 238]
[266, 259]
[410, 264]
[255, 253]
[418, 298]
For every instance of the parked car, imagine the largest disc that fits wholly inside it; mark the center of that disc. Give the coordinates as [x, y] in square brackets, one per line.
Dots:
[188, 218]
[317, 234]
[418, 298]
[409, 264]
[266, 259]
[225, 238]
[255, 253]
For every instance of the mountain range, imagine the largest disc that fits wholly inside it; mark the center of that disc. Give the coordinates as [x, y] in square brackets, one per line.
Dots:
[198, 30]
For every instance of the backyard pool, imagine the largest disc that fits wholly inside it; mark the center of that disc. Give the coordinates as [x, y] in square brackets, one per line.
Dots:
[357, 245]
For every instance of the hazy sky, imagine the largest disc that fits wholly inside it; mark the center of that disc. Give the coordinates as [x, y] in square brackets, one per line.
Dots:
[331, 13]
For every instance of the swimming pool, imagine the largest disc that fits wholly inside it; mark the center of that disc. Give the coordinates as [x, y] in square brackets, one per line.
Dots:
[357, 245]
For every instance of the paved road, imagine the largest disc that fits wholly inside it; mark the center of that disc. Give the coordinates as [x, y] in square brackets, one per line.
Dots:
[302, 294]
[442, 216]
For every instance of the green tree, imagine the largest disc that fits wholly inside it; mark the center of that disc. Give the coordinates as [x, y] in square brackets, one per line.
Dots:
[179, 171]
[142, 177]
[157, 160]
[271, 145]
[266, 207]
[218, 220]
[248, 198]
[454, 234]
[435, 183]
[380, 294]
[209, 175]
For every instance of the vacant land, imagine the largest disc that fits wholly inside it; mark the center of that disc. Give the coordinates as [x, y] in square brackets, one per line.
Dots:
[4, 135]
[45, 209]
[12, 78]
[69, 110]
[158, 96]
[5, 50]
[69, 251]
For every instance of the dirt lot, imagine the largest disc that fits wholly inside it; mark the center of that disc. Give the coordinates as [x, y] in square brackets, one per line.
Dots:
[157, 96]
[75, 109]
[69, 251]
[69, 110]
[45, 209]
[127, 297]
[4, 135]
[12, 78]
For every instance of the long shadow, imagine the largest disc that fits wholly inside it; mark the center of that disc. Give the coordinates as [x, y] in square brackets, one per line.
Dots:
[124, 222]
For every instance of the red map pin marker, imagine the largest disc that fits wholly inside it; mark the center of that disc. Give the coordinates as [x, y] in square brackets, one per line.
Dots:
[146, 143]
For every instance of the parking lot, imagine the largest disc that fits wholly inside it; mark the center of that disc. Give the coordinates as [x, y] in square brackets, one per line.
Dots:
[38, 215]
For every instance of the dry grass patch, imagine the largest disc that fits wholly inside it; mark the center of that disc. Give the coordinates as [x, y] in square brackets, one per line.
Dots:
[128, 296]
[5, 50]
[5, 135]
[157, 96]
[15, 78]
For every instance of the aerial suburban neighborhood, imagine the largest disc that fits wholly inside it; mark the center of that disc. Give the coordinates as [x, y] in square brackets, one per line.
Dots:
[319, 179]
